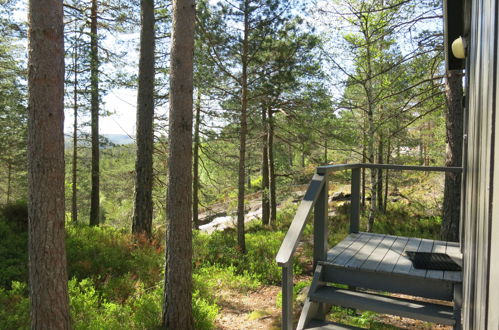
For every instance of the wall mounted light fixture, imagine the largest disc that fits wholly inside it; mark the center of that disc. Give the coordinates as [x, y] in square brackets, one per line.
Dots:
[458, 48]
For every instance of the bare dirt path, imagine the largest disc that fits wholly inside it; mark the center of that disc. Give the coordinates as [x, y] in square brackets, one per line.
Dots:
[253, 310]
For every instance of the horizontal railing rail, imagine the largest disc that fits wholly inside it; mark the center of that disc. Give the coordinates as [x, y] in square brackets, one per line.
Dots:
[334, 168]
[317, 197]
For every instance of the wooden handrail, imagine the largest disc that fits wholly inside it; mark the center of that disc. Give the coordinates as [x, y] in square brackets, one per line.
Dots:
[293, 235]
[334, 168]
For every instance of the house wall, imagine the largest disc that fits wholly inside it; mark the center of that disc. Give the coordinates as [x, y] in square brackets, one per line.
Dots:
[481, 195]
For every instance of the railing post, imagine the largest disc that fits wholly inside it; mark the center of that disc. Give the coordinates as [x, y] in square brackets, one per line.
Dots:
[287, 297]
[355, 201]
[320, 224]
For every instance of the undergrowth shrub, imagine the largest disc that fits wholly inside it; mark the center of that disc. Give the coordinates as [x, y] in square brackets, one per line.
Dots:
[103, 253]
[219, 248]
[13, 255]
[399, 219]
[211, 279]
[14, 307]
[15, 214]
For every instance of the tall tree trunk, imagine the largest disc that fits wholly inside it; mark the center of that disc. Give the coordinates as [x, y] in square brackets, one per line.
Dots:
[325, 151]
[363, 203]
[272, 177]
[48, 276]
[265, 170]
[74, 168]
[385, 199]
[241, 242]
[142, 217]
[9, 181]
[372, 210]
[379, 181]
[421, 145]
[303, 154]
[177, 312]
[195, 166]
[248, 169]
[454, 123]
[94, 105]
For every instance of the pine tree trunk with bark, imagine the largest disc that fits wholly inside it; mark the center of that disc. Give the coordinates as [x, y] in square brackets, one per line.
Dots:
[94, 110]
[46, 247]
[74, 167]
[195, 165]
[265, 170]
[143, 210]
[243, 130]
[177, 311]
[379, 181]
[272, 177]
[454, 129]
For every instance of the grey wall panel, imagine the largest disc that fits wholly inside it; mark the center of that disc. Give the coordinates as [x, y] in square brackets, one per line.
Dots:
[480, 262]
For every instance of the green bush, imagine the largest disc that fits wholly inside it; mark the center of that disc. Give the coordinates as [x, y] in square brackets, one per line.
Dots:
[89, 311]
[103, 253]
[209, 280]
[13, 255]
[14, 307]
[203, 311]
[16, 215]
[258, 262]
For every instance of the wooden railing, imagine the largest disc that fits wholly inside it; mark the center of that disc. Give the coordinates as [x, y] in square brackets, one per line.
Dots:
[316, 197]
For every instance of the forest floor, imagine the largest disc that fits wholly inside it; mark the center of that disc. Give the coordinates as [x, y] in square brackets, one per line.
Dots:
[253, 310]
[259, 310]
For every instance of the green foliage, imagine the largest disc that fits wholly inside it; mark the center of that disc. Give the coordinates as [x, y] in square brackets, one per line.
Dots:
[258, 262]
[14, 307]
[203, 312]
[103, 252]
[210, 279]
[366, 319]
[399, 220]
[16, 215]
[90, 311]
[116, 281]
[13, 254]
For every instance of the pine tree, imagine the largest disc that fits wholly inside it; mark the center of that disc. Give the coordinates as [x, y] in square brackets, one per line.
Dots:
[47, 270]
[142, 218]
[177, 311]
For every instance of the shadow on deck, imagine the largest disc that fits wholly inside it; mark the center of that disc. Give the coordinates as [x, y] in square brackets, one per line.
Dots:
[371, 265]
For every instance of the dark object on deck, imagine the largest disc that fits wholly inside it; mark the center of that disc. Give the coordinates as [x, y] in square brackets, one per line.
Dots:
[431, 260]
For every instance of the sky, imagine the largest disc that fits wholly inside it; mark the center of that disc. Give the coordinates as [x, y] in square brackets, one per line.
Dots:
[121, 103]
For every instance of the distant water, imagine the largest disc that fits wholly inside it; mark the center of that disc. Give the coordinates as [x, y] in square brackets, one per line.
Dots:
[117, 139]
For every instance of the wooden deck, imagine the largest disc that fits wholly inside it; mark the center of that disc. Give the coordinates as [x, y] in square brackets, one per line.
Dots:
[367, 265]
[385, 253]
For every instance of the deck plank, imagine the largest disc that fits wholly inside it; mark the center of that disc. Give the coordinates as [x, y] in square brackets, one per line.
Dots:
[404, 264]
[379, 253]
[385, 253]
[352, 250]
[391, 258]
[438, 247]
[341, 246]
[359, 258]
[454, 251]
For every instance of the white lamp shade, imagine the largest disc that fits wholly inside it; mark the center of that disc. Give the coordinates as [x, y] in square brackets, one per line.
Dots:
[458, 48]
